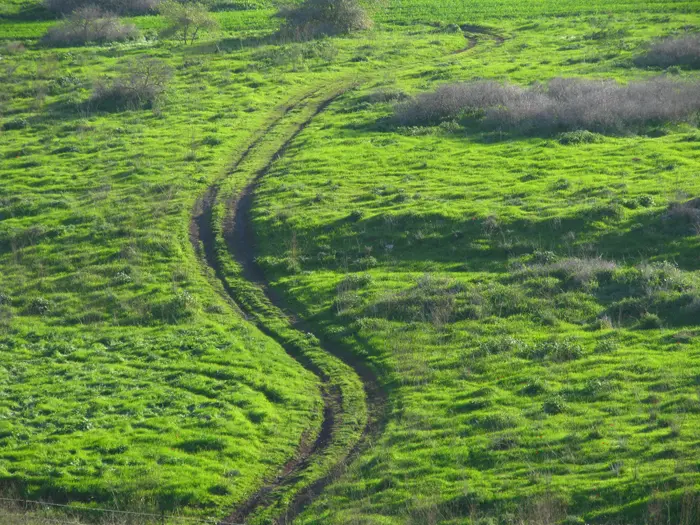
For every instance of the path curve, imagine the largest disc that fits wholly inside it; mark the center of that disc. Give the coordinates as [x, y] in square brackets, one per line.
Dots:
[240, 241]
[239, 238]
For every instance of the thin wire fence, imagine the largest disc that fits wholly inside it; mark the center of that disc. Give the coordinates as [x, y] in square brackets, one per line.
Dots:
[30, 509]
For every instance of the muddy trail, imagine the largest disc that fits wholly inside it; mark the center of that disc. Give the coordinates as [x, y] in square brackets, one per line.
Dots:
[239, 237]
[472, 32]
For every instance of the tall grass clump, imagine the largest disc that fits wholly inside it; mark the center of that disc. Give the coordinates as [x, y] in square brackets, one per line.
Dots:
[117, 6]
[89, 24]
[682, 51]
[313, 18]
[564, 104]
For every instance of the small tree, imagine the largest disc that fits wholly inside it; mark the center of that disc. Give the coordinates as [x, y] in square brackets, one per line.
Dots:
[186, 21]
[324, 17]
[89, 24]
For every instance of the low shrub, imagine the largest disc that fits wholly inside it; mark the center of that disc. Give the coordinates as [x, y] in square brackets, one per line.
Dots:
[186, 21]
[39, 306]
[564, 104]
[385, 95]
[649, 322]
[557, 350]
[682, 51]
[313, 18]
[354, 281]
[534, 387]
[554, 405]
[684, 216]
[572, 138]
[141, 84]
[606, 346]
[89, 24]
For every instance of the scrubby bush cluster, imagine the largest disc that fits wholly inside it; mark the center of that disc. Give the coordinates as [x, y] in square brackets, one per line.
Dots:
[140, 85]
[116, 6]
[186, 21]
[564, 104]
[314, 18]
[683, 51]
[647, 295]
[90, 24]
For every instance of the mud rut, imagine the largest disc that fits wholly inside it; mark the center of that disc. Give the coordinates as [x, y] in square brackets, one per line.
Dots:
[239, 236]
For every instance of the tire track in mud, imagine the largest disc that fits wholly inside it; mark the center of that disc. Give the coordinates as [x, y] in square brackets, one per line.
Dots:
[239, 238]
[471, 32]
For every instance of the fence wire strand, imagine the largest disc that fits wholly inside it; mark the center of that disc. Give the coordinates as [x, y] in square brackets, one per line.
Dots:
[150, 515]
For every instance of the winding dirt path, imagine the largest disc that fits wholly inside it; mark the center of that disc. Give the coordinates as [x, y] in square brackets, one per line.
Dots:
[240, 243]
[471, 31]
[239, 236]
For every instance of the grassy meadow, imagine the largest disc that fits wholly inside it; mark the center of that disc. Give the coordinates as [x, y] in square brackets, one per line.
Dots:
[530, 303]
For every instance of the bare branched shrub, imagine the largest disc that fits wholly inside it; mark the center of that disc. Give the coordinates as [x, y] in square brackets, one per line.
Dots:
[116, 6]
[141, 84]
[683, 51]
[89, 24]
[186, 21]
[314, 18]
[684, 215]
[564, 104]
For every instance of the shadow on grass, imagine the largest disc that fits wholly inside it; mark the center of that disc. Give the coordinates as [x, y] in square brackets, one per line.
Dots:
[487, 245]
[32, 12]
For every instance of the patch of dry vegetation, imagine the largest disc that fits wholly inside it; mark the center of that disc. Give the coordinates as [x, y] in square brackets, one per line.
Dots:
[563, 104]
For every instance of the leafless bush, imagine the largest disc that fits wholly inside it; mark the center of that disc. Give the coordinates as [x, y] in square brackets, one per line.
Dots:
[684, 215]
[564, 104]
[141, 85]
[116, 6]
[314, 18]
[683, 51]
[452, 100]
[89, 24]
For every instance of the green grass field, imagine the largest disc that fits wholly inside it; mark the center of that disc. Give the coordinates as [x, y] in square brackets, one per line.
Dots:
[529, 305]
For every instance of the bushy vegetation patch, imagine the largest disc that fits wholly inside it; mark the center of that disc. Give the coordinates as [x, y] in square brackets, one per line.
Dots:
[89, 24]
[572, 138]
[683, 51]
[314, 18]
[514, 289]
[531, 303]
[141, 84]
[563, 104]
[186, 22]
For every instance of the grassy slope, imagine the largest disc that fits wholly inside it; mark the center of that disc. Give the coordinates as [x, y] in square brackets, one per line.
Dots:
[101, 288]
[95, 216]
[469, 431]
[138, 382]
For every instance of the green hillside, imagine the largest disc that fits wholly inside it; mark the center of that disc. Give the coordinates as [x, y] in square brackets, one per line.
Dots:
[442, 270]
